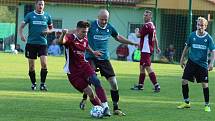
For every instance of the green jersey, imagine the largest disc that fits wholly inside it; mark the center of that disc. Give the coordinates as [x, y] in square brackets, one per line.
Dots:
[199, 48]
[37, 24]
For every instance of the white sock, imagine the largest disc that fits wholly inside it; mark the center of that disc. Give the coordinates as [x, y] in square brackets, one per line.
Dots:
[105, 104]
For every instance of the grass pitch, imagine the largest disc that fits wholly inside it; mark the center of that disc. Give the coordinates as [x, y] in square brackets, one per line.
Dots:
[61, 102]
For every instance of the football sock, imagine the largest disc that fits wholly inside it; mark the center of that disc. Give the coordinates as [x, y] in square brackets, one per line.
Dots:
[115, 99]
[96, 101]
[43, 74]
[153, 78]
[206, 95]
[101, 94]
[32, 76]
[105, 104]
[185, 91]
[142, 78]
[84, 96]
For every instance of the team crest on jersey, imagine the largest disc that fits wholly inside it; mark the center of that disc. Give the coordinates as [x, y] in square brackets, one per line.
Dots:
[45, 17]
[108, 30]
[194, 39]
[205, 40]
[34, 16]
[97, 30]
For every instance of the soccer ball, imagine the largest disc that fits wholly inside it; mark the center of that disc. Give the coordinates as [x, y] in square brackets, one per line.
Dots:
[96, 111]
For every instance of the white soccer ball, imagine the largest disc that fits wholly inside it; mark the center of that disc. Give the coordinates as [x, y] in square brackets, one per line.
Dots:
[97, 111]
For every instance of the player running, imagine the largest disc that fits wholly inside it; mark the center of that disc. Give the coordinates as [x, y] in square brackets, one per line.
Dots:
[79, 71]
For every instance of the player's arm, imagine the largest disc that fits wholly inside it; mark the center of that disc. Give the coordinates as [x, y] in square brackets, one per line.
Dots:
[156, 45]
[21, 28]
[212, 58]
[123, 40]
[62, 39]
[96, 53]
[182, 60]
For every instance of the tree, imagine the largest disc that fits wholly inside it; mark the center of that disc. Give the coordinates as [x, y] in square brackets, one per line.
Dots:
[8, 14]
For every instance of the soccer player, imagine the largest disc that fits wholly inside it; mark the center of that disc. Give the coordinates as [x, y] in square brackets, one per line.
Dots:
[148, 38]
[199, 44]
[98, 36]
[79, 71]
[40, 24]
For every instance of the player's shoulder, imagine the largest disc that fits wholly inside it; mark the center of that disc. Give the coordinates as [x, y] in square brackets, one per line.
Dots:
[149, 25]
[30, 13]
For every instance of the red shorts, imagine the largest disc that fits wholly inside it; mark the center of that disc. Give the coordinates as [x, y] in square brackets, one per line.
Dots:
[145, 59]
[79, 77]
[78, 82]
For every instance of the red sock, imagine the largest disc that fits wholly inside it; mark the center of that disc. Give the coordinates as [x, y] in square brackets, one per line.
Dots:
[152, 77]
[96, 101]
[101, 94]
[142, 78]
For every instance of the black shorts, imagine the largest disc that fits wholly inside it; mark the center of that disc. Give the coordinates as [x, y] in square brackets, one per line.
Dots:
[104, 67]
[34, 50]
[194, 71]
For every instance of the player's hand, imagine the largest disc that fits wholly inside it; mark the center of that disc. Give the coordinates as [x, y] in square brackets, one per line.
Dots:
[158, 51]
[210, 67]
[97, 53]
[46, 32]
[23, 38]
[182, 63]
[137, 45]
[64, 31]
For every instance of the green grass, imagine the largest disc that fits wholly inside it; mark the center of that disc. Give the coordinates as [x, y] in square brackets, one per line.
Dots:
[60, 103]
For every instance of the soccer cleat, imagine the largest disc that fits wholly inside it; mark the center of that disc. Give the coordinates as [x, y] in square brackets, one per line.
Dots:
[207, 108]
[137, 87]
[119, 112]
[184, 105]
[33, 87]
[106, 112]
[157, 88]
[43, 87]
[82, 104]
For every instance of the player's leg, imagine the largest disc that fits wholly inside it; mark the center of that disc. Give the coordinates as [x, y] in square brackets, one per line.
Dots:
[151, 73]
[188, 75]
[202, 77]
[107, 71]
[31, 73]
[43, 72]
[153, 78]
[140, 85]
[185, 93]
[31, 54]
[93, 98]
[206, 96]
[100, 92]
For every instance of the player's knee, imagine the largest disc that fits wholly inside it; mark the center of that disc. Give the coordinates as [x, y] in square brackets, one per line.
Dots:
[113, 83]
[184, 82]
[95, 81]
[204, 85]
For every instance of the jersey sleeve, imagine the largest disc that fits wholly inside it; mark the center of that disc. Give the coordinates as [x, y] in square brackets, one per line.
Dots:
[27, 18]
[188, 42]
[114, 33]
[50, 22]
[211, 44]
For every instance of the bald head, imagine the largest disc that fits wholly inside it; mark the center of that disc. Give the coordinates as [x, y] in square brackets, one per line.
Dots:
[103, 12]
[103, 17]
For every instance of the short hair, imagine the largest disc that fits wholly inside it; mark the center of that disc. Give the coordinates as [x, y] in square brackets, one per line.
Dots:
[203, 20]
[38, 1]
[83, 24]
[148, 11]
